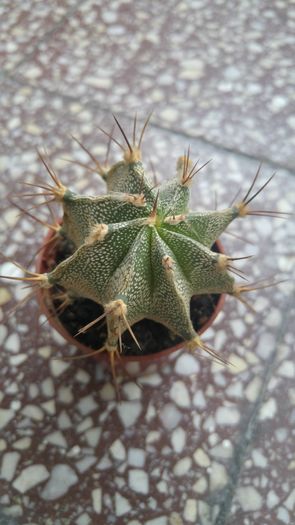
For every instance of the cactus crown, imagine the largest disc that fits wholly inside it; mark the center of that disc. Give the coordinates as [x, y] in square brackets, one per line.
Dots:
[139, 250]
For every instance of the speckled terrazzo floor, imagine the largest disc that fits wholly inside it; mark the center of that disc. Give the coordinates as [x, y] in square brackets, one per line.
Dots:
[198, 443]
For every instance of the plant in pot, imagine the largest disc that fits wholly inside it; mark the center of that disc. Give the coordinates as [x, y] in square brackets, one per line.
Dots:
[134, 271]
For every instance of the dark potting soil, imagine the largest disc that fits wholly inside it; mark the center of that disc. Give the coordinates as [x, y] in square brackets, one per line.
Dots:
[152, 337]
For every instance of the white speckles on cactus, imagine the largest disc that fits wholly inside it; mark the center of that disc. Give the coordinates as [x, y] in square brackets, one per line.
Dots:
[141, 245]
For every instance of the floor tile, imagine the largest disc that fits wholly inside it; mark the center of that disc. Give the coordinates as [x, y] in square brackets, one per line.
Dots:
[170, 451]
[209, 70]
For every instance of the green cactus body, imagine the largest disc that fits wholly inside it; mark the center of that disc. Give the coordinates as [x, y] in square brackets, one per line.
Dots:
[139, 250]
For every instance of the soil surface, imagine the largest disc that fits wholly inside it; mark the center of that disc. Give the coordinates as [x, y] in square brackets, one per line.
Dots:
[152, 337]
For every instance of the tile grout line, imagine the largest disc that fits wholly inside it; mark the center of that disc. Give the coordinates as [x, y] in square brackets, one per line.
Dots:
[251, 425]
[107, 110]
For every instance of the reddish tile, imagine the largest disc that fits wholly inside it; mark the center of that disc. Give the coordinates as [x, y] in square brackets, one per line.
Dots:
[169, 450]
[208, 70]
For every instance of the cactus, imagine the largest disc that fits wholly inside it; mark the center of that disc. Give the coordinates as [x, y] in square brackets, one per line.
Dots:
[138, 250]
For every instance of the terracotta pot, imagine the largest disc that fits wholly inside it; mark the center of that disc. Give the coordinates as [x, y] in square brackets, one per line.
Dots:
[44, 300]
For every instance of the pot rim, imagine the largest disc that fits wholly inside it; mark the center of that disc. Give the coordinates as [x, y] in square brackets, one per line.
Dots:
[41, 267]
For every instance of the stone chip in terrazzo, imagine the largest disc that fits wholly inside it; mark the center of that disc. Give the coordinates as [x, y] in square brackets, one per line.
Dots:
[85, 424]
[249, 497]
[222, 450]
[182, 466]
[9, 464]
[96, 496]
[253, 388]
[287, 369]
[170, 416]
[22, 443]
[132, 391]
[5, 296]
[199, 399]
[92, 436]
[58, 367]
[64, 421]
[5, 416]
[265, 345]
[237, 364]
[62, 477]
[151, 379]
[128, 412]
[49, 407]
[201, 458]
[83, 519]
[122, 505]
[104, 463]
[290, 501]
[179, 394]
[218, 476]
[227, 416]
[259, 459]
[107, 392]
[45, 352]
[12, 343]
[86, 405]
[272, 499]
[85, 463]
[138, 481]
[152, 436]
[136, 457]
[30, 477]
[82, 376]
[190, 510]
[3, 333]
[178, 439]
[47, 387]
[33, 412]
[268, 409]
[16, 360]
[65, 395]
[200, 486]
[186, 364]
[56, 438]
[283, 515]
[117, 450]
